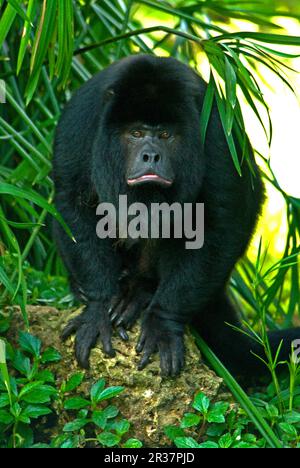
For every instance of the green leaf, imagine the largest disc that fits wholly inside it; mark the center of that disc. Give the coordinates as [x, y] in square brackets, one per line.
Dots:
[40, 446]
[37, 394]
[50, 355]
[76, 403]
[6, 22]
[107, 439]
[288, 429]
[173, 431]
[16, 5]
[35, 411]
[201, 403]
[133, 443]
[25, 34]
[6, 417]
[96, 389]
[30, 343]
[262, 37]
[4, 400]
[208, 444]
[217, 413]
[292, 417]
[75, 425]
[272, 411]
[45, 376]
[110, 411]
[74, 382]
[243, 444]
[99, 418]
[206, 110]
[71, 442]
[106, 394]
[121, 427]
[9, 189]
[186, 442]
[225, 441]
[190, 420]
[21, 363]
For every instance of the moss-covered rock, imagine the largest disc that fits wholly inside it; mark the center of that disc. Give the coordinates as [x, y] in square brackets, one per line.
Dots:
[149, 401]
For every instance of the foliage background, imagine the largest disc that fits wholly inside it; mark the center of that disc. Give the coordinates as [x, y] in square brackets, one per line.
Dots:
[244, 49]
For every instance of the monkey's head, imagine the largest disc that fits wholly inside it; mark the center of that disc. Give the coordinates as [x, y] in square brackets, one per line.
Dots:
[150, 130]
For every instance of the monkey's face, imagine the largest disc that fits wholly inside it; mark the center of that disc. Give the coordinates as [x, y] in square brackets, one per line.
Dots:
[148, 146]
[149, 150]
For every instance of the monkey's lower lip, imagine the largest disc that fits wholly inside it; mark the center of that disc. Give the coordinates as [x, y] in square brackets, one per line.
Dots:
[148, 178]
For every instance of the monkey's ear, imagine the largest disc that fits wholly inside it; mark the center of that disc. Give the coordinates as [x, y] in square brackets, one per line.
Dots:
[109, 94]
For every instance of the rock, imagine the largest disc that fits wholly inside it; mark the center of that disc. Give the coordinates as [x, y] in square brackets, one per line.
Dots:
[149, 401]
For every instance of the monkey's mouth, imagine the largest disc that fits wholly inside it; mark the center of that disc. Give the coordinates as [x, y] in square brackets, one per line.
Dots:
[149, 178]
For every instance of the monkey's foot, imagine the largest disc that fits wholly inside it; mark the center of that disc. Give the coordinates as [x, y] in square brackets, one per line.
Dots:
[126, 309]
[92, 323]
[164, 336]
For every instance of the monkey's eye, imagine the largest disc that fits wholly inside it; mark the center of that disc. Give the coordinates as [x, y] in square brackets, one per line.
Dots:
[164, 135]
[136, 134]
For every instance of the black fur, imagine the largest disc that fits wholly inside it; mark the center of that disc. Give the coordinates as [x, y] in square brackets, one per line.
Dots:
[171, 285]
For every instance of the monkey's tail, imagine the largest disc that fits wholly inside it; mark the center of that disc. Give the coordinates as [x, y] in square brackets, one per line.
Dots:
[236, 350]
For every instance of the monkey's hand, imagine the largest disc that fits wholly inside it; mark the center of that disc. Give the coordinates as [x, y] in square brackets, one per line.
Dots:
[92, 323]
[166, 337]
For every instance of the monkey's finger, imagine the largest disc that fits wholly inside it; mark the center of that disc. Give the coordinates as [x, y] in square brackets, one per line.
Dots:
[149, 349]
[141, 342]
[122, 333]
[165, 360]
[114, 303]
[86, 338]
[177, 358]
[105, 336]
[130, 315]
[145, 360]
[71, 327]
[117, 313]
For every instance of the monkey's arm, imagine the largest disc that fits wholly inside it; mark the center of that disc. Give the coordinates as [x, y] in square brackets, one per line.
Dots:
[94, 269]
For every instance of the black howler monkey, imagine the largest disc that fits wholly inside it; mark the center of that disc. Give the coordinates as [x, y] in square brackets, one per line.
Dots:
[134, 129]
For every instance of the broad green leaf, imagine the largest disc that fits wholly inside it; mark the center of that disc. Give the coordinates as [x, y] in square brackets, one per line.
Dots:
[4, 400]
[99, 418]
[133, 443]
[190, 420]
[50, 355]
[29, 343]
[225, 441]
[5, 417]
[38, 394]
[121, 427]
[186, 442]
[75, 425]
[108, 439]
[73, 382]
[216, 414]
[35, 411]
[208, 444]
[97, 389]
[201, 403]
[76, 403]
[173, 431]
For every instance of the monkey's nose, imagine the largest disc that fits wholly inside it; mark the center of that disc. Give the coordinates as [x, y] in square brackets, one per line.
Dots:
[151, 158]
